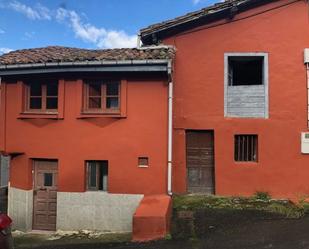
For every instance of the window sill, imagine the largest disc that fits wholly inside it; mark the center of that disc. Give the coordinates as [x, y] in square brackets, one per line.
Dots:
[97, 191]
[39, 115]
[143, 166]
[249, 163]
[100, 115]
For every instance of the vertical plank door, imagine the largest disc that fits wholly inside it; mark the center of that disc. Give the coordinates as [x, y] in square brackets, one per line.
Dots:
[45, 194]
[200, 162]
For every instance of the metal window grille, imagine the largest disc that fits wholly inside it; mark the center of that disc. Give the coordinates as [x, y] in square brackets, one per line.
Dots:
[246, 148]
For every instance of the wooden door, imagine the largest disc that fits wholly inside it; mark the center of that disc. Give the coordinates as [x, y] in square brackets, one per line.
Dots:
[200, 162]
[45, 194]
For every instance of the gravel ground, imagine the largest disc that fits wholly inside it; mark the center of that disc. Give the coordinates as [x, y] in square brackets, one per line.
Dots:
[283, 234]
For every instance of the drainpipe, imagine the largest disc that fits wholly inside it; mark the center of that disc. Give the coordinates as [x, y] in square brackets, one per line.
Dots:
[170, 130]
[306, 61]
[307, 67]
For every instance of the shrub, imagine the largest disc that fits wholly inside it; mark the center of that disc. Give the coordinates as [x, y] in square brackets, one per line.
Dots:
[261, 195]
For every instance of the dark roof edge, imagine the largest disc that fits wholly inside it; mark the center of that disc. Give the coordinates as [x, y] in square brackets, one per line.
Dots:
[159, 32]
[162, 65]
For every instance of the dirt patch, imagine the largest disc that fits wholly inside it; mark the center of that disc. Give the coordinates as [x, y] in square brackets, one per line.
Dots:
[34, 240]
[196, 216]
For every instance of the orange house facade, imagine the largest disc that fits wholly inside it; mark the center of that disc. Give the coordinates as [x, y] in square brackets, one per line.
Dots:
[240, 98]
[214, 102]
[87, 140]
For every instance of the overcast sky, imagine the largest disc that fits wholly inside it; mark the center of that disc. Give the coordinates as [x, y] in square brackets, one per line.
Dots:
[84, 23]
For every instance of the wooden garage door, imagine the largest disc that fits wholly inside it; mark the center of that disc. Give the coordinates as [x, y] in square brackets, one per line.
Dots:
[45, 194]
[200, 162]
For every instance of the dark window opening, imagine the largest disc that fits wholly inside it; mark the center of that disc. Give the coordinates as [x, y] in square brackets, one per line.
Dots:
[97, 175]
[101, 96]
[245, 70]
[35, 103]
[42, 96]
[246, 148]
[143, 161]
[48, 179]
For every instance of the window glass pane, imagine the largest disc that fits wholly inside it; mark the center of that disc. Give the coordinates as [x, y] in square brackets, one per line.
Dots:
[51, 103]
[112, 89]
[35, 103]
[112, 103]
[92, 171]
[35, 89]
[97, 175]
[94, 102]
[48, 179]
[94, 89]
[103, 171]
[52, 89]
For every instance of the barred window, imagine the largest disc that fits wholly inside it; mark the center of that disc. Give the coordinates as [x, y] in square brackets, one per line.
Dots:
[246, 148]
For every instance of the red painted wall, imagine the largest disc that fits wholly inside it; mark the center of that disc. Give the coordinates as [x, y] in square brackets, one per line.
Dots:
[199, 101]
[73, 140]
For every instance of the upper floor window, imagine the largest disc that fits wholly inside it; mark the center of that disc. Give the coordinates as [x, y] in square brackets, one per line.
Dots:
[101, 96]
[246, 85]
[42, 96]
[245, 70]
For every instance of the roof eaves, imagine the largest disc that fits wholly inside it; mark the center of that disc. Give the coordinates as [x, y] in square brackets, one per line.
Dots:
[214, 10]
[136, 65]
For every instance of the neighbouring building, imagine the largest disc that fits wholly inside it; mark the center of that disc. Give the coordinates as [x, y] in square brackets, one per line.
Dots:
[240, 97]
[214, 102]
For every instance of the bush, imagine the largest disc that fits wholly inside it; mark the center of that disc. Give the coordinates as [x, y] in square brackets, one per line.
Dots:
[260, 195]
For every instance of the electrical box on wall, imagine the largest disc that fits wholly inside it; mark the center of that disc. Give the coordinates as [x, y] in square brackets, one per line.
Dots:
[306, 55]
[305, 142]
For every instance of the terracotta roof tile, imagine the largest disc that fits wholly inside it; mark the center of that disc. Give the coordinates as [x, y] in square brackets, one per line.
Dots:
[66, 54]
[192, 16]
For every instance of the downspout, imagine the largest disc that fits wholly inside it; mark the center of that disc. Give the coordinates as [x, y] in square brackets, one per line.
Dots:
[307, 67]
[170, 130]
[306, 61]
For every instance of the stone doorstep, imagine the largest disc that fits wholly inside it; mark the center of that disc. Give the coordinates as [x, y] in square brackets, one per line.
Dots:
[151, 220]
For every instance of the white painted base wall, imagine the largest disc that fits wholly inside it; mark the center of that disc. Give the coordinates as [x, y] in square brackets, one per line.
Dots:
[20, 208]
[98, 211]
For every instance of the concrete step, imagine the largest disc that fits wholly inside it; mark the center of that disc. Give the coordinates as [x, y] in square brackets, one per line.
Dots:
[151, 220]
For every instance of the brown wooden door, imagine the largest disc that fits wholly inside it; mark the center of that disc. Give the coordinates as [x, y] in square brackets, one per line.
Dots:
[200, 162]
[45, 194]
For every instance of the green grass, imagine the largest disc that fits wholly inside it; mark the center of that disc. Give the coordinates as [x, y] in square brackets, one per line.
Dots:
[261, 202]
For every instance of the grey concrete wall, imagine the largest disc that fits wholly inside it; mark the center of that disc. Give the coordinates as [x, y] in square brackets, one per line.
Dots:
[20, 208]
[96, 211]
[246, 101]
[4, 170]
